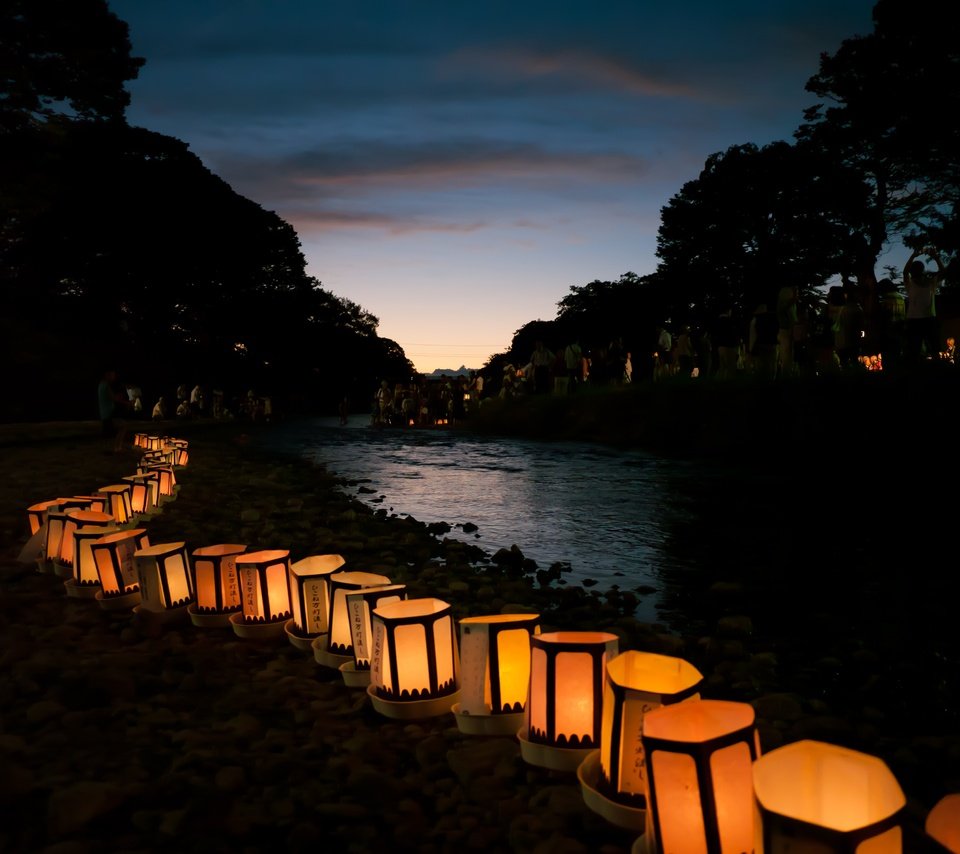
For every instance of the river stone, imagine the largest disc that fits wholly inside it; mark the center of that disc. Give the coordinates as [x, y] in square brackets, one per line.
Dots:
[778, 707]
[71, 808]
[739, 626]
[496, 757]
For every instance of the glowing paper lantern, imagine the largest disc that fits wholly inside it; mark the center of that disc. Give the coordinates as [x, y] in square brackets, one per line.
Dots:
[264, 594]
[113, 558]
[140, 440]
[613, 779]
[943, 823]
[494, 672]
[336, 647]
[814, 796]
[699, 759]
[144, 493]
[178, 454]
[168, 480]
[562, 723]
[163, 573]
[309, 598]
[118, 501]
[56, 521]
[85, 583]
[154, 443]
[217, 586]
[360, 603]
[414, 669]
[77, 519]
[37, 514]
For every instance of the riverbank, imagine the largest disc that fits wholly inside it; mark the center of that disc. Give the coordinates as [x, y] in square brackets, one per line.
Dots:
[115, 739]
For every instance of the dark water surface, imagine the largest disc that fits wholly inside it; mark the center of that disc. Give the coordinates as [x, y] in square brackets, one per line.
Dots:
[846, 566]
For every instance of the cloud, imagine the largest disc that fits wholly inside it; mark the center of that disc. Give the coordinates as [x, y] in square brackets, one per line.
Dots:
[308, 222]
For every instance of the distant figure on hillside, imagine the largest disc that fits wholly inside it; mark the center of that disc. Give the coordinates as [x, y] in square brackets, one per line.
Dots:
[183, 409]
[921, 331]
[541, 360]
[182, 392]
[685, 353]
[572, 357]
[159, 412]
[893, 315]
[111, 403]
[627, 369]
[663, 355]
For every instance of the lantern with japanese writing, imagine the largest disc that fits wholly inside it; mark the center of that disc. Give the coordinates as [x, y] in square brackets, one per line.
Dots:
[85, 583]
[216, 585]
[118, 501]
[356, 673]
[144, 493]
[309, 598]
[565, 700]
[113, 556]
[943, 823]
[699, 759]
[336, 647]
[63, 565]
[613, 779]
[166, 588]
[814, 796]
[494, 672]
[414, 669]
[264, 594]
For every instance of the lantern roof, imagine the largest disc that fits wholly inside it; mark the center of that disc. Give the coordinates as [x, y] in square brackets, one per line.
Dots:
[219, 550]
[317, 565]
[653, 673]
[265, 556]
[697, 721]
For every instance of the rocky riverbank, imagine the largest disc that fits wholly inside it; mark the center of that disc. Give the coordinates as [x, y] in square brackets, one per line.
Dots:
[116, 738]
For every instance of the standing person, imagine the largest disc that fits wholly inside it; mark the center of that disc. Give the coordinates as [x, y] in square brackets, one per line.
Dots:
[111, 404]
[849, 329]
[763, 343]
[921, 331]
[664, 353]
[627, 369]
[685, 353]
[344, 410]
[728, 344]
[786, 322]
[572, 358]
[541, 360]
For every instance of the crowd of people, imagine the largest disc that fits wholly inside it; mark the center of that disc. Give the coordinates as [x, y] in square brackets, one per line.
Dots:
[427, 403]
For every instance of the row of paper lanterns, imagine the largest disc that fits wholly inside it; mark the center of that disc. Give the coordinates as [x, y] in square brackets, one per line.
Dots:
[651, 756]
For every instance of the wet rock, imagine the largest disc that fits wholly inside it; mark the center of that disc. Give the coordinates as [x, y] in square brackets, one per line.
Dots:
[230, 778]
[778, 707]
[249, 515]
[73, 807]
[739, 626]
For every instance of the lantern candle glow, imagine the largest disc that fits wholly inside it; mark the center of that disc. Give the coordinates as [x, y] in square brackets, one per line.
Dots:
[144, 493]
[309, 598]
[85, 583]
[118, 501]
[360, 603]
[565, 700]
[75, 519]
[215, 582]
[336, 647]
[264, 594]
[113, 557]
[166, 588]
[494, 672]
[414, 669]
[943, 823]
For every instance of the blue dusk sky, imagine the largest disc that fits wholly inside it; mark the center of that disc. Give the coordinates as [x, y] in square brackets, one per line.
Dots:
[455, 167]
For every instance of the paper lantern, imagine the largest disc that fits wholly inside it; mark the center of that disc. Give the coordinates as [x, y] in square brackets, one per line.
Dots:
[336, 647]
[216, 585]
[118, 501]
[168, 480]
[140, 440]
[699, 757]
[494, 672]
[144, 493]
[565, 700]
[814, 796]
[309, 599]
[166, 589]
[613, 778]
[113, 557]
[943, 823]
[37, 519]
[360, 603]
[154, 443]
[264, 594]
[178, 452]
[414, 669]
[85, 583]
[37, 514]
[56, 521]
[77, 519]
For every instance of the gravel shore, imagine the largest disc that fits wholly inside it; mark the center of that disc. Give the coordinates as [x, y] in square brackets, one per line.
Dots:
[114, 738]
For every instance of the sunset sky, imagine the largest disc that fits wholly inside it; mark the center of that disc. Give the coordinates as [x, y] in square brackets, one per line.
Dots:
[455, 168]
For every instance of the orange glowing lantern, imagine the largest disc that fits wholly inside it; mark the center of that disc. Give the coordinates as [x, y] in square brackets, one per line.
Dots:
[264, 594]
[37, 514]
[414, 669]
[309, 598]
[177, 450]
[494, 672]
[37, 518]
[168, 480]
[85, 583]
[113, 557]
[56, 521]
[565, 700]
[814, 796]
[699, 758]
[166, 589]
[217, 587]
[613, 779]
[336, 647]
[77, 519]
[144, 493]
[943, 823]
[118, 501]
[154, 443]
[356, 673]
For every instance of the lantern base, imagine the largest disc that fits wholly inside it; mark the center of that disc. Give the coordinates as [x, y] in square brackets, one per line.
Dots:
[506, 724]
[44, 565]
[208, 621]
[304, 642]
[255, 631]
[352, 677]
[62, 570]
[629, 818]
[81, 591]
[327, 659]
[412, 709]
[642, 845]
[157, 618]
[119, 602]
[554, 758]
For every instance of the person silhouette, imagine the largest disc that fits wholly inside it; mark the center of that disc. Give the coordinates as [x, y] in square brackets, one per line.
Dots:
[920, 330]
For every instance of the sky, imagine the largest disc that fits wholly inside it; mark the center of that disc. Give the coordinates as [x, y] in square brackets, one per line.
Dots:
[456, 167]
